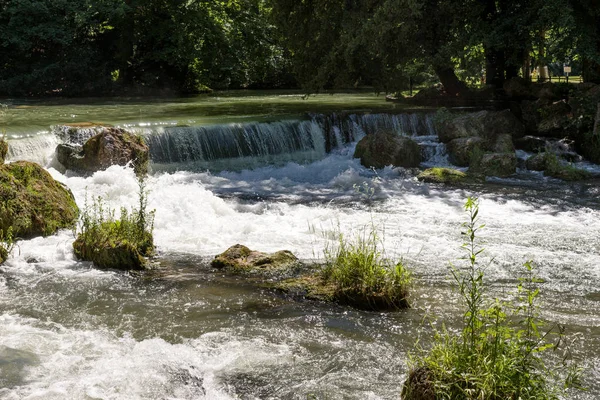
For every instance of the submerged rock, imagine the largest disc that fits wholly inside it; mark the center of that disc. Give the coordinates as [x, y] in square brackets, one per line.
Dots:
[240, 259]
[112, 146]
[316, 287]
[33, 203]
[382, 149]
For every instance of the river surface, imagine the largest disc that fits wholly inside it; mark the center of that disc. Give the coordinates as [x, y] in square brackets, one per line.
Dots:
[69, 331]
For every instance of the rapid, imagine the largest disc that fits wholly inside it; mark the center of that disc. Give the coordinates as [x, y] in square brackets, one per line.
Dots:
[274, 177]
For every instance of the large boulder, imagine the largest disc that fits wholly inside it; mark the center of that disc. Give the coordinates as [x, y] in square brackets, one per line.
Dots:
[3, 149]
[112, 146]
[382, 149]
[555, 120]
[532, 144]
[108, 249]
[484, 124]
[240, 259]
[497, 164]
[462, 150]
[33, 203]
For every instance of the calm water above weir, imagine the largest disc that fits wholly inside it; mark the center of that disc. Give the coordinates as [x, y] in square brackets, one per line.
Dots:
[70, 331]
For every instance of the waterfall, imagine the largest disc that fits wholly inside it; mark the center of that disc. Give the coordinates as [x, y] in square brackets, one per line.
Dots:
[248, 145]
[38, 149]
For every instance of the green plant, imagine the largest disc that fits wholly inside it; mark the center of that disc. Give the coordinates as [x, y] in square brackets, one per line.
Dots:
[116, 243]
[7, 244]
[563, 171]
[493, 357]
[3, 146]
[361, 273]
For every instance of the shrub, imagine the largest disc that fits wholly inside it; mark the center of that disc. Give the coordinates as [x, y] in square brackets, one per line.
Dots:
[493, 357]
[361, 274]
[116, 243]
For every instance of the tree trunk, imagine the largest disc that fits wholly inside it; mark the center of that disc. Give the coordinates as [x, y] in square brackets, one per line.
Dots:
[542, 56]
[452, 85]
[596, 130]
[526, 67]
[494, 67]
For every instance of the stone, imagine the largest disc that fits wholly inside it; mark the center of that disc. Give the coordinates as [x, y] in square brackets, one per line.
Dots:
[554, 120]
[498, 164]
[112, 146]
[240, 259]
[532, 144]
[443, 176]
[383, 149]
[461, 150]
[111, 253]
[503, 144]
[536, 162]
[419, 385]
[484, 124]
[462, 126]
[33, 203]
[501, 123]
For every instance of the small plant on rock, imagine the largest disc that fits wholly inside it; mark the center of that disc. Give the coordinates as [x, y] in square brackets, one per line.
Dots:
[499, 352]
[121, 243]
[362, 275]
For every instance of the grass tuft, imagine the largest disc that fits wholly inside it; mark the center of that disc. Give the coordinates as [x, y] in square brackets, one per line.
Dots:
[361, 274]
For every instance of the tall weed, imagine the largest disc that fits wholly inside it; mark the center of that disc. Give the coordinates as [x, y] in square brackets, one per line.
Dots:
[499, 353]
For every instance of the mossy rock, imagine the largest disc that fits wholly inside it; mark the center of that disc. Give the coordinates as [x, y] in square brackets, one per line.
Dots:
[419, 385]
[114, 252]
[568, 173]
[32, 202]
[386, 148]
[240, 259]
[315, 287]
[3, 150]
[495, 164]
[552, 166]
[112, 146]
[446, 176]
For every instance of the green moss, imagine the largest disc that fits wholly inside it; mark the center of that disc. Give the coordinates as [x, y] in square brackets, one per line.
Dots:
[3, 149]
[312, 287]
[444, 175]
[122, 243]
[110, 246]
[240, 259]
[32, 202]
[356, 274]
[566, 172]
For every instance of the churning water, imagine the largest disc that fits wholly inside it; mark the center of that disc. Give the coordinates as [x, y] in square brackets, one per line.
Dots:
[70, 331]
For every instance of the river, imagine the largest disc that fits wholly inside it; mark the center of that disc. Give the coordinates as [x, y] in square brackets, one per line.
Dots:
[69, 331]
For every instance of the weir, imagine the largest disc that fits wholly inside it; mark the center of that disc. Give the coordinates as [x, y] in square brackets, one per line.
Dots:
[246, 145]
